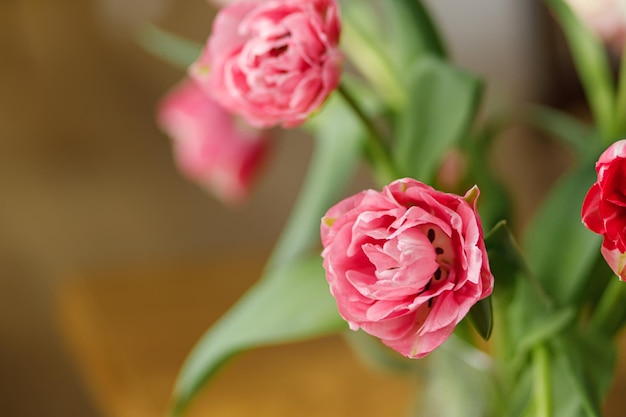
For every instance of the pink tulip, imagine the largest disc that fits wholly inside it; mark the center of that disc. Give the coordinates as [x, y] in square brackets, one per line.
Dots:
[210, 146]
[606, 18]
[406, 264]
[604, 208]
[272, 61]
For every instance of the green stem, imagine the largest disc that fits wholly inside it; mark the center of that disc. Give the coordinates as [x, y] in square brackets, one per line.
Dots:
[375, 147]
[542, 382]
[172, 48]
[610, 314]
[620, 101]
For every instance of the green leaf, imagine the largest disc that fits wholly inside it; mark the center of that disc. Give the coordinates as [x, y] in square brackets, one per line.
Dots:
[172, 48]
[592, 65]
[383, 38]
[517, 405]
[505, 258]
[609, 315]
[442, 104]
[461, 382]
[292, 300]
[481, 317]
[560, 250]
[339, 139]
[581, 138]
[364, 46]
[291, 305]
[544, 327]
[586, 363]
[412, 33]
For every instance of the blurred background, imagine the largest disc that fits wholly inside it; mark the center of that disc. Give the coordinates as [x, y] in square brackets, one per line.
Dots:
[87, 181]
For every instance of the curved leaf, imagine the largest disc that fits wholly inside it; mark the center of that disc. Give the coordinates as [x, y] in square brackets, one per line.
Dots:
[412, 32]
[339, 138]
[292, 304]
[292, 300]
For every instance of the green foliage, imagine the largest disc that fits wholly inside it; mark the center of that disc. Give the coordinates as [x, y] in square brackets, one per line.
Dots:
[291, 301]
[481, 317]
[442, 106]
[584, 367]
[461, 382]
[411, 34]
[171, 48]
[560, 250]
[582, 139]
[368, 53]
[339, 139]
[505, 257]
[385, 38]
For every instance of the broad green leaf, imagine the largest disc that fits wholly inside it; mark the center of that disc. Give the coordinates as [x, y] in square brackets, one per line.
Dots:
[592, 65]
[412, 33]
[581, 138]
[560, 250]
[442, 104]
[339, 139]
[293, 304]
[175, 49]
[292, 300]
[527, 309]
[586, 365]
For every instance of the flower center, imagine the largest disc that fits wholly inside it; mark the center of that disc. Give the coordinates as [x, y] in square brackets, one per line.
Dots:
[444, 257]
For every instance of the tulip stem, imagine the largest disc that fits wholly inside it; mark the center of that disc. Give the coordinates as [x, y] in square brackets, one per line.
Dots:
[611, 311]
[542, 383]
[375, 147]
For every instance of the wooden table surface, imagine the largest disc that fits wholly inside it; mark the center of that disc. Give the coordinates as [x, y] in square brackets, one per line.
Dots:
[129, 331]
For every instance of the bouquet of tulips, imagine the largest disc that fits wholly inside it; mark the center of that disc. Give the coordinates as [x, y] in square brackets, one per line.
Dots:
[424, 265]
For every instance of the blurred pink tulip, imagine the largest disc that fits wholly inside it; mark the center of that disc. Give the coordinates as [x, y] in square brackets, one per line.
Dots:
[274, 61]
[210, 146]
